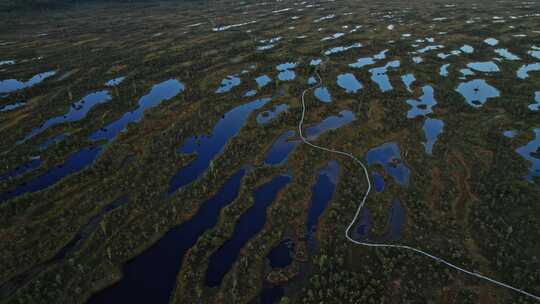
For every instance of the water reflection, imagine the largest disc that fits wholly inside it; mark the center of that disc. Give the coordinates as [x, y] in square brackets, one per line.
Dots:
[408, 80]
[228, 84]
[321, 194]
[209, 147]
[267, 116]
[378, 75]
[477, 92]
[160, 92]
[13, 106]
[444, 70]
[523, 72]
[263, 80]
[248, 225]
[151, 276]
[396, 220]
[491, 41]
[388, 156]
[77, 111]
[280, 256]
[281, 149]
[75, 163]
[323, 94]
[485, 67]
[507, 54]
[330, 123]
[531, 153]
[535, 106]
[424, 105]
[286, 73]
[23, 169]
[467, 49]
[340, 49]
[378, 181]
[349, 82]
[432, 129]
[114, 82]
[12, 85]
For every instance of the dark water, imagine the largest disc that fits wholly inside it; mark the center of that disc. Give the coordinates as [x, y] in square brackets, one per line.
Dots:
[378, 181]
[280, 256]
[424, 105]
[207, 148]
[321, 195]
[531, 152]
[271, 295]
[396, 220]
[286, 142]
[477, 92]
[76, 112]
[12, 85]
[228, 84]
[151, 276]
[249, 224]
[75, 163]
[379, 76]
[389, 156]
[281, 148]
[267, 116]
[329, 123]
[159, 93]
[51, 141]
[349, 83]
[18, 171]
[432, 129]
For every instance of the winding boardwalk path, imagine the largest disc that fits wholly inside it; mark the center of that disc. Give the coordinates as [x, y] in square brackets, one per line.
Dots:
[363, 202]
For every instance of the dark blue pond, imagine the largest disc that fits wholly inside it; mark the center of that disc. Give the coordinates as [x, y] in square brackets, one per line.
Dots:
[263, 80]
[388, 155]
[330, 123]
[52, 141]
[378, 75]
[424, 105]
[321, 194]
[76, 112]
[249, 224]
[151, 276]
[114, 82]
[286, 143]
[267, 116]
[12, 85]
[281, 148]
[228, 84]
[432, 129]
[477, 92]
[207, 148]
[18, 171]
[531, 153]
[378, 181]
[396, 220]
[12, 106]
[159, 93]
[271, 295]
[75, 163]
[323, 94]
[280, 256]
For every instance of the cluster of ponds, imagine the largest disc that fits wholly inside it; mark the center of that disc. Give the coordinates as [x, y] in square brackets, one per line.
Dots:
[152, 275]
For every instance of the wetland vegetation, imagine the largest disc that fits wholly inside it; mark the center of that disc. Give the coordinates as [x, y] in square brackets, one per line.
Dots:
[150, 150]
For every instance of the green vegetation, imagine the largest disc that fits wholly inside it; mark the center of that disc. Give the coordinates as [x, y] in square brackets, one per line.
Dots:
[468, 202]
